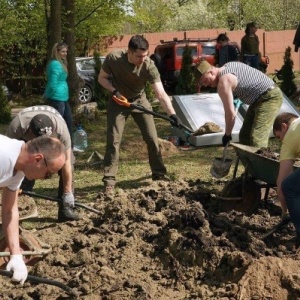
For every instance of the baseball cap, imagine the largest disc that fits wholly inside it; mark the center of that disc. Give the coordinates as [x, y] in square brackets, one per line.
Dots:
[201, 69]
[41, 125]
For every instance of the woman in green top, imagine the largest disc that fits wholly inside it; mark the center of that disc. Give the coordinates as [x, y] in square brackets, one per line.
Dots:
[250, 46]
[57, 89]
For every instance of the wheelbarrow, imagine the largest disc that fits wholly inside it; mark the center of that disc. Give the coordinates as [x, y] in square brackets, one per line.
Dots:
[263, 169]
[244, 194]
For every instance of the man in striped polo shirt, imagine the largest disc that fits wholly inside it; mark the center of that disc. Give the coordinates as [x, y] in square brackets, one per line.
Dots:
[252, 87]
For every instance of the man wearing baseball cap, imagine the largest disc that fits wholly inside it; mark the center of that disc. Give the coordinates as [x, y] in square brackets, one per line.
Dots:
[252, 87]
[41, 120]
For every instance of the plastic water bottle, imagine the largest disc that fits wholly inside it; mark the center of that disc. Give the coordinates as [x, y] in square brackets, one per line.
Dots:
[80, 139]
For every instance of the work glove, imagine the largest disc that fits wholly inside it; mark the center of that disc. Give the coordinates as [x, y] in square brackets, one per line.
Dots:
[68, 200]
[225, 139]
[175, 121]
[17, 265]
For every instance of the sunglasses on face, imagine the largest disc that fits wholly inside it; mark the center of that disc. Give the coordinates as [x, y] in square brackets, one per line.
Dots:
[48, 173]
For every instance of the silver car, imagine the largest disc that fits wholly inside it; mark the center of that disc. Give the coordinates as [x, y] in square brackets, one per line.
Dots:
[86, 71]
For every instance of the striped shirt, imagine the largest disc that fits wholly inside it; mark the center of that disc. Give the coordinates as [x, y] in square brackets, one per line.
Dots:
[251, 83]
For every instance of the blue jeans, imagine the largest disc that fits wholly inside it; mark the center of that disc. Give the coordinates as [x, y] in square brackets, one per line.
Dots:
[63, 107]
[252, 61]
[291, 191]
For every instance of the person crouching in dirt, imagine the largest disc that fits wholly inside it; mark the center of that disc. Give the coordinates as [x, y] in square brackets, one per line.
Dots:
[38, 158]
[252, 87]
[45, 120]
[286, 127]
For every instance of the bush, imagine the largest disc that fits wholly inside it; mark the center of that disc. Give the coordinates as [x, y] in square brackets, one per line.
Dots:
[288, 85]
[101, 94]
[186, 82]
[5, 111]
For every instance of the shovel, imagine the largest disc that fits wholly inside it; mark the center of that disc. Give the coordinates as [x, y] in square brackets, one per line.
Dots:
[221, 165]
[32, 194]
[124, 102]
[43, 280]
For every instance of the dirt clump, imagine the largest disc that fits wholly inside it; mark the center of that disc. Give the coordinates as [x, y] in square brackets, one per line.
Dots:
[208, 127]
[268, 153]
[165, 240]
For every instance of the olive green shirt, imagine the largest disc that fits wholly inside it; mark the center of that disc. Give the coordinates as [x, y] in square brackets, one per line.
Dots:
[250, 45]
[127, 78]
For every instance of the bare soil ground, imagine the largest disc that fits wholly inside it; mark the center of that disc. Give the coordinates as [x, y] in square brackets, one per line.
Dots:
[162, 240]
[166, 240]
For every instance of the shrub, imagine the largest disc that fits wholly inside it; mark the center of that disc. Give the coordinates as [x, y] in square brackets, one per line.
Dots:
[101, 94]
[5, 111]
[186, 82]
[288, 85]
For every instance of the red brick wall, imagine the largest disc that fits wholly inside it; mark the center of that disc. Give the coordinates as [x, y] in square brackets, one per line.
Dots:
[272, 43]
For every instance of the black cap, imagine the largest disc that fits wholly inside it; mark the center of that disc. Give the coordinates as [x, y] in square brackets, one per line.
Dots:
[41, 125]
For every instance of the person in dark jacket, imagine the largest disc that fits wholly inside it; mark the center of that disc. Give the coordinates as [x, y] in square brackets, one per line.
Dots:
[225, 51]
[250, 46]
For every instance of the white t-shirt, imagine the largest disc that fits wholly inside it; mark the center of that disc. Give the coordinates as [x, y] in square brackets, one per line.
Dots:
[9, 152]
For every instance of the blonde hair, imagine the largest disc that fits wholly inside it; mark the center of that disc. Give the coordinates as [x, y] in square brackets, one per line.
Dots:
[54, 54]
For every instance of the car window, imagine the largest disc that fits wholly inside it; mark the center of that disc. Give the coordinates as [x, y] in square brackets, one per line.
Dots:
[208, 50]
[86, 65]
[179, 51]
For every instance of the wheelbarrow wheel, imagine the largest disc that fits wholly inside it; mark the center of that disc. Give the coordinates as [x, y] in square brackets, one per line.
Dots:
[245, 194]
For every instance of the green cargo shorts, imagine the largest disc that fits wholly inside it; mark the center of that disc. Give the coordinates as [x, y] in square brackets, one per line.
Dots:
[259, 118]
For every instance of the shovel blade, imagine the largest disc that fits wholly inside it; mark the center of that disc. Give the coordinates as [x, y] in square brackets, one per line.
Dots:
[220, 167]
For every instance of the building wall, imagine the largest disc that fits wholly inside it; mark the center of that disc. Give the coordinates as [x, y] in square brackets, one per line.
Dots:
[272, 43]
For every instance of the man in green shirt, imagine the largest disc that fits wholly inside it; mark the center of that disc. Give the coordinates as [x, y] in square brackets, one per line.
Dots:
[126, 73]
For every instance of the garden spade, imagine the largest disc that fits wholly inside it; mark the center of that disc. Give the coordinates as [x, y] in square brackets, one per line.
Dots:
[221, 165]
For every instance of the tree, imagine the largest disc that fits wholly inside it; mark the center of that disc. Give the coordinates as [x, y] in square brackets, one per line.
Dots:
[288, 85]
[186, 82]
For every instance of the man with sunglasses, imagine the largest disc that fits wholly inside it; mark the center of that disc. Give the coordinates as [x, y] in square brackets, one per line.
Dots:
[40, 120]
[35, 159]
[126, 73]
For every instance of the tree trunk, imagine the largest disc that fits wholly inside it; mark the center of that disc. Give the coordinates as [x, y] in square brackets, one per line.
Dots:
[53, 25]
[69, 24]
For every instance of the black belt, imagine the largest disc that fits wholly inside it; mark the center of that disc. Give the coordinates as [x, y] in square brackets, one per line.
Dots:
[134, 98]
[274, 86]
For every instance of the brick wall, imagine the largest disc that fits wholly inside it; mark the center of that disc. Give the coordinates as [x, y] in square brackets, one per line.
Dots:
[272, 43]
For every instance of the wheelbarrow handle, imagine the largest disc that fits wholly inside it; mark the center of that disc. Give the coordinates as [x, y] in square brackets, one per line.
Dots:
[150, 112]
[32, 194]
[43, 280]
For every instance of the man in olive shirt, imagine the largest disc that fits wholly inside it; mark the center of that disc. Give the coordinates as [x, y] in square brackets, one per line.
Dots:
[126, 73]
[45, 120]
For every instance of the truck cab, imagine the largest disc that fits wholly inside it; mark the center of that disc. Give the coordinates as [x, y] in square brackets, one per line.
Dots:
[168, 56]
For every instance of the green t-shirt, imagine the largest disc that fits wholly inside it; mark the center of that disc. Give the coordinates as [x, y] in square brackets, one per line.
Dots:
[127, 78]
[290, 148]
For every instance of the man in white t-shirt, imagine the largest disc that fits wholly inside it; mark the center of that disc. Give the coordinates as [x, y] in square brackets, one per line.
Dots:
[39, 158]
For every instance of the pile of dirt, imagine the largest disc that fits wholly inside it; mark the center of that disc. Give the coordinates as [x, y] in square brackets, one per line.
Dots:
[268, 153]
[208, 127]
[166, 240]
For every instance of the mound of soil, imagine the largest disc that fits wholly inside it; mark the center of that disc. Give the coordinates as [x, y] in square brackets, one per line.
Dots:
[208, 127]
[166, 241]
[268, 153]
